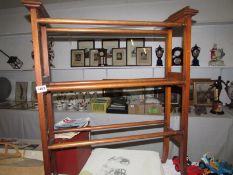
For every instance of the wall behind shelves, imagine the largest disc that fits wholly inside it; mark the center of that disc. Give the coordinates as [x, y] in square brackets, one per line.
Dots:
[15, 37]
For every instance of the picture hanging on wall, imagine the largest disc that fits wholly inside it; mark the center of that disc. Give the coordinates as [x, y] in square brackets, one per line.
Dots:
[119, 57]
[109, 45]
[86, 45]
[94, 57]
[144, 56]
[77, 58]
[21, 91]
[131, 45]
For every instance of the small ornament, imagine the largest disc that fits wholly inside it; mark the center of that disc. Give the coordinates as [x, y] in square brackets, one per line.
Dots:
[229, 91]
[216, 55]
[159, 53]
[177, 56]
[195, 53]
[217, 106]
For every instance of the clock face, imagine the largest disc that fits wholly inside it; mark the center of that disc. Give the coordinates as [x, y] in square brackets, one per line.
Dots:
[101, 54]
[177, 53]
[177, 56]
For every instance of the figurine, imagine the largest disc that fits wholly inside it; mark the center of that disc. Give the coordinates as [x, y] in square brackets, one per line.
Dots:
[159, 53]
[216, 56]
[195, 53]
[229, 91]
[217, 106]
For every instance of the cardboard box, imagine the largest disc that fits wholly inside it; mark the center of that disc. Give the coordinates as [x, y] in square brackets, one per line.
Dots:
[153, 108]
[136, 108]
[100, 104]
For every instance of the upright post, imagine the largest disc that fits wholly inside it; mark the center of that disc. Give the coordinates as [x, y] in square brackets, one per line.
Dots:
[167, 111]
[39, 74]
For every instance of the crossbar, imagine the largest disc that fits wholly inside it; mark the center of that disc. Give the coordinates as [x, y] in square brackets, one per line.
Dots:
[113, 140]
[117, 84]
[113, 126]
[107, 31]
[108, 22]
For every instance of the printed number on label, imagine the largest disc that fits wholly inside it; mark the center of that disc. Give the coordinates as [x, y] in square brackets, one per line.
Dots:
[40, 89]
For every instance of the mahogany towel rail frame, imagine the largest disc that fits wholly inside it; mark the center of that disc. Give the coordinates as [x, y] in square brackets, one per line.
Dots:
[41, 24]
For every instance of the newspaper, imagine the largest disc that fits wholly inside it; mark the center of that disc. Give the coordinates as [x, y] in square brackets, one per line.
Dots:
[70, 123]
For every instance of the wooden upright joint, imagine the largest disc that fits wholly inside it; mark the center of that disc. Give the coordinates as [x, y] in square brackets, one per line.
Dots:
[180, 15]
[36, 4]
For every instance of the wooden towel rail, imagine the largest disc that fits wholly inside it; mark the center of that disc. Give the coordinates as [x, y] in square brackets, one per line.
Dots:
[42, 27]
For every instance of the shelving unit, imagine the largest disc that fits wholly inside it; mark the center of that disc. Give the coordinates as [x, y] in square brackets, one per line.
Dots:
[41, 28]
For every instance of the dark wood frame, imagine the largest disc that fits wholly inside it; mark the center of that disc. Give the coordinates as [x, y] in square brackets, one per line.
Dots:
[138, 58]
[40, 23]
[127, 49]
[113, 56]
[93, 47]
[116, 41]
[72, 64]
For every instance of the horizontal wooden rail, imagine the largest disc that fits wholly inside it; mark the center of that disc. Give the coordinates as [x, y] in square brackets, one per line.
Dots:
[107, 31]
[110, 81]
[117, 84]
[108, 22]
[113, 126]
[113, 140]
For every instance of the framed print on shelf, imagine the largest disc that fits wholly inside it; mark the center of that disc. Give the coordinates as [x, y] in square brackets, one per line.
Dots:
[144, 56]
[94, 57]
[202, 94]
[109, 45]
[33, 92]
[87, 45]
[119, 56]
[77, 58]
[191, 92]
[131, 45]
[21, 91]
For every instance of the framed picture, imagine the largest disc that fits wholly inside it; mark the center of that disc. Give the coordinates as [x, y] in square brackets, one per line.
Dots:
[175, 95]
[203, 95]
[77, 58]
[144, 56]
[21, 91]
[131, 45]
[191, 94]
[94, 57]
[33, 92]
[119, 57]
[109, 45]
[87, 45]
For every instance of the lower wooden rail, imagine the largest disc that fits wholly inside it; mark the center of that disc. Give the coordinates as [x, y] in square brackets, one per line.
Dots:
[53, 87]
[113, 126]
[113, 140]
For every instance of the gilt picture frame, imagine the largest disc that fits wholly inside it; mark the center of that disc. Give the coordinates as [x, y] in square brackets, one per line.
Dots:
[144, 56]
[21, 91]
[203, 93]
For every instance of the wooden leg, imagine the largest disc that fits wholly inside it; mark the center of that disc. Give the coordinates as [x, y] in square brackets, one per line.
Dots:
[167, 112]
